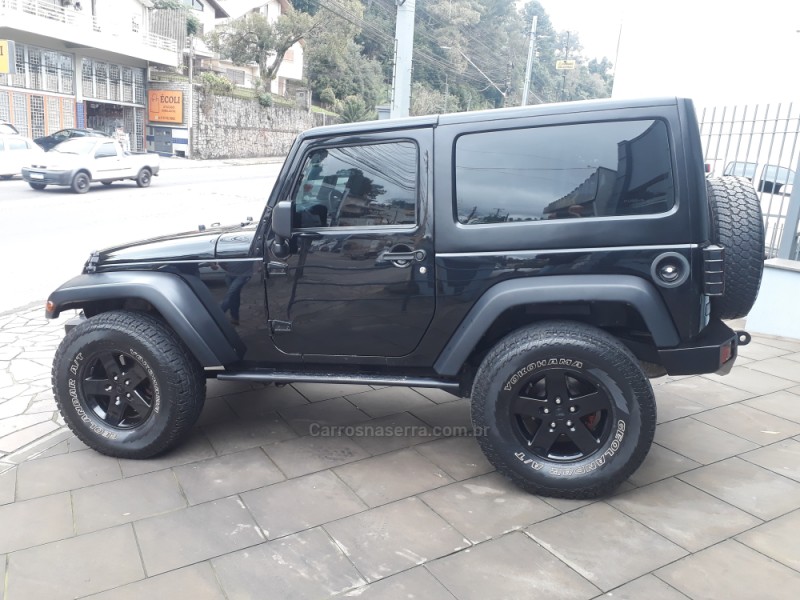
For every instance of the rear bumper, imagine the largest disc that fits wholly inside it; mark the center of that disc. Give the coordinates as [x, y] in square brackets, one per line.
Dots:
[704, 354]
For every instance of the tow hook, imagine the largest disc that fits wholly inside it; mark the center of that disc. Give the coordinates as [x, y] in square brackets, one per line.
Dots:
[743, 338]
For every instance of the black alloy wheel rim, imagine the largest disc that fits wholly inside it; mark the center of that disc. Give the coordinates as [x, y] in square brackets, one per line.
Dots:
[562, 415]
[116, 389]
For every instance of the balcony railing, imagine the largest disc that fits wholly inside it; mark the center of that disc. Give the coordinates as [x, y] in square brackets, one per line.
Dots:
[83, 20]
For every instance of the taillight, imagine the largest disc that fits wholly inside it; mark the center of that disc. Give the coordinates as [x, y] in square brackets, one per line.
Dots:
[725, 353]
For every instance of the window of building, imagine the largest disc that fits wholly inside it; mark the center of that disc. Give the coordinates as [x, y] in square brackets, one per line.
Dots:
[561, 172]
[235, 76]
[358, 186]
[105, 81]
[40, 69]
[195, 4]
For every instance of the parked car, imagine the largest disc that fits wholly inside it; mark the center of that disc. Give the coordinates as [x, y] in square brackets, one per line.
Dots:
[16, 152]
[79, 162]
[545, 261]
[49, 141]
[7, 128]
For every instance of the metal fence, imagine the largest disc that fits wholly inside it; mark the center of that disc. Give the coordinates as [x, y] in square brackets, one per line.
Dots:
[760, 142]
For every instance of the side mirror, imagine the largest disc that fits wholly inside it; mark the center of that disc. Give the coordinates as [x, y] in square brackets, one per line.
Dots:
[282, 219]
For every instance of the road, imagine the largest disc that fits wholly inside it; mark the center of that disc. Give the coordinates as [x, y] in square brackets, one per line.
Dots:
[46, 236]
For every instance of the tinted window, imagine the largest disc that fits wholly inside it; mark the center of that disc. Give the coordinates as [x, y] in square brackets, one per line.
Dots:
[567, 171]
[358, 186]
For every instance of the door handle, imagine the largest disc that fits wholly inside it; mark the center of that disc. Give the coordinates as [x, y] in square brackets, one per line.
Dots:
[405, 257]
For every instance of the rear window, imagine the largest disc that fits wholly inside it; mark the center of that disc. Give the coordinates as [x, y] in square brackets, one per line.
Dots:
[563, 172]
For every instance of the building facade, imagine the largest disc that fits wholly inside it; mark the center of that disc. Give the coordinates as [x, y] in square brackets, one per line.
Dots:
[84, 64]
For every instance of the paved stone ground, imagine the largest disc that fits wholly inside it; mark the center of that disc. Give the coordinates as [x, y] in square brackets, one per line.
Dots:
[253, 506]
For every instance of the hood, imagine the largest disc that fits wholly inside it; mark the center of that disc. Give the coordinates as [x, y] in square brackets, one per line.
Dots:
[208, 245]
[57, 161]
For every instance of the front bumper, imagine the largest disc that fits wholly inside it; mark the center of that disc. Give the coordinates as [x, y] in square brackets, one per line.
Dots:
[707, 353]
[48, 177]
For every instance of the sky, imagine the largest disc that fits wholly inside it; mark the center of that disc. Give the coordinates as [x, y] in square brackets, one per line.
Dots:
[597, 22]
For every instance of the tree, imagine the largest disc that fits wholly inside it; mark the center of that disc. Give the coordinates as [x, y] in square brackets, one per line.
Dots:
[252, 38]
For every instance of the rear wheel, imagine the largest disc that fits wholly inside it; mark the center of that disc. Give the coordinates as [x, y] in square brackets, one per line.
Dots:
[37, 186]
[126, 385]
[143, 178]
[739, 228]
[563, 409]
[81, 183]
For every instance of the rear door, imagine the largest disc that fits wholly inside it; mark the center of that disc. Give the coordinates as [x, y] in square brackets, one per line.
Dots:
[360, 279]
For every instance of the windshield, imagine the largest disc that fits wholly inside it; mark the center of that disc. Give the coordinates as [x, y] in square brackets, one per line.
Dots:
[76, 146]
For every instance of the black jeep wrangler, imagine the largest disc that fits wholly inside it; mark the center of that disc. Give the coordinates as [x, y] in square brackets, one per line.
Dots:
[543, 260]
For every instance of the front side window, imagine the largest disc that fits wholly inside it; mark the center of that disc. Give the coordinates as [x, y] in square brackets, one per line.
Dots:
[105, 151]
[563, 172]
[358, 186]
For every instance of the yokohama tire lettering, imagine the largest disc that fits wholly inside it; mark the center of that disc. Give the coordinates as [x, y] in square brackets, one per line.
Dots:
[541, 364]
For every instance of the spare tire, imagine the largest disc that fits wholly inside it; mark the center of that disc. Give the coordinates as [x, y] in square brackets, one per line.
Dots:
[738, 227]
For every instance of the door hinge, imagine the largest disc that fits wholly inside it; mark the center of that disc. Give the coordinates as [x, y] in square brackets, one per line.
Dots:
[280, 326]
[277, 268]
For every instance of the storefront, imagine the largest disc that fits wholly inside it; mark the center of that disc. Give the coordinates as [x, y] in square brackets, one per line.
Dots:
[113, 96]
[40, 98]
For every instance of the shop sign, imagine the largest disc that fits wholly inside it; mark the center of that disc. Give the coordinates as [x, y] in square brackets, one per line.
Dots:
[165, 106]
[8, 63]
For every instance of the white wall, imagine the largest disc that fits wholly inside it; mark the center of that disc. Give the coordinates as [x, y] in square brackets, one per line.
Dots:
[718, 52]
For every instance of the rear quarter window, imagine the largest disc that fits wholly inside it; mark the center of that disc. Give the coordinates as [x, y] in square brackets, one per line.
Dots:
[564, 172]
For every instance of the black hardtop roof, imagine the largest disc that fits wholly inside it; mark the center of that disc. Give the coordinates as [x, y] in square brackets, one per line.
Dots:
[495, 114]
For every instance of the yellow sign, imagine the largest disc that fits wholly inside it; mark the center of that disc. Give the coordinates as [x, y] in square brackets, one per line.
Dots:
[565, 65]
[165, 106]
[8, 62]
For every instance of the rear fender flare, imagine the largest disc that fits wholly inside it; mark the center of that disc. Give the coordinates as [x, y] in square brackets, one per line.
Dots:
[626, 289]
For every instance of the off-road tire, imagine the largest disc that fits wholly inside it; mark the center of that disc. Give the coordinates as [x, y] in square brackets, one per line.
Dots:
[739, 228]
[135, 341]
[144, 177]
[37, 186]
[81, 183]
[526, 357]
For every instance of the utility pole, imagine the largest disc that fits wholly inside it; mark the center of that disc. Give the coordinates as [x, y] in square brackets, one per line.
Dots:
[403, 52]
[531, 53]
[564, 77]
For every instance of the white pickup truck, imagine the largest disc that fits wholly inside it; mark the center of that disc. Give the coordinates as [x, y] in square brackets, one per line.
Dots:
[78, 162]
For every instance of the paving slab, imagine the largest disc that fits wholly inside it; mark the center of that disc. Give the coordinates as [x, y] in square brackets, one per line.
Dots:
[65, 472]
[777, 539]
[304, 565]
[195, 534]
[386, 434]
[389, 477]
[700, 442]
[34, 522]
[263, 401]
[683, 514]
[758, 491]
[195, 448]
[513, 566]
[302, 503]
[645, 588]
[117, 502]
[237, 434]
[659, 464]
[453, 418]
[395, 537]
[671, 406]
[197, 582]
[305, 455]
[784, 404]
[782, 458]
[61, 569]
[459, 457]
[780, 367]
[8, 485]
[751, 380]
[226, 475]
[759, 427]
[487, 506]
[732, 571]
[389, 401]
[607, 565]
[414, 583]
[707, 392]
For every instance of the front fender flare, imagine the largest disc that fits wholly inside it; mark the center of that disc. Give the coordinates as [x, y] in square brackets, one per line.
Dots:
[626, 289]
[169, 294]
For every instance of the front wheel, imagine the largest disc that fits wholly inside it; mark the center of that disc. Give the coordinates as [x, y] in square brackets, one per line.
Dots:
[563, 410]
[143, 178]
[81, 183]
[37, 186]
[126, 385]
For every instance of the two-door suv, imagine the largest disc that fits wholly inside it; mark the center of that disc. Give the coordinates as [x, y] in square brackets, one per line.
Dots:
[544, 261]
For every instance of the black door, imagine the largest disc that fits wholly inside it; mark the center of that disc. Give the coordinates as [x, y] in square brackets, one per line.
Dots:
[359, 280]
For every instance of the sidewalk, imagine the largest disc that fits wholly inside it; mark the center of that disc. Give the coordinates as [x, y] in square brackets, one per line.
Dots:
[173, 163]
[254, 506]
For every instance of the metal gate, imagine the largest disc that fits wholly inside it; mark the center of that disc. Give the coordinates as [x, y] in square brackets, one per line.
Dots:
[762, 143]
